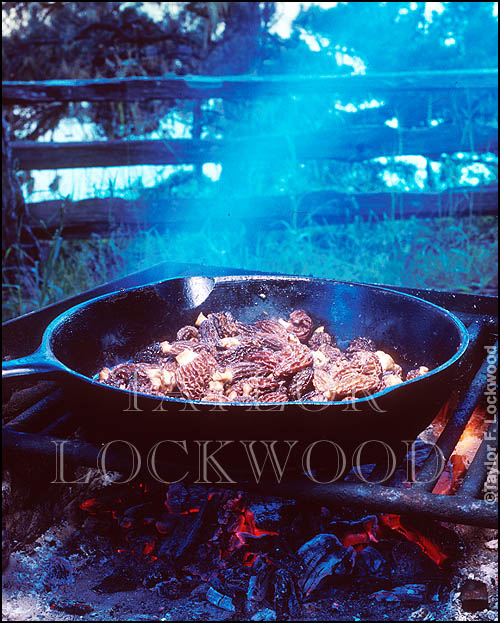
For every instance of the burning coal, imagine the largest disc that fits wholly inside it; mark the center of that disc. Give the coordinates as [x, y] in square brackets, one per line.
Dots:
[254, 552]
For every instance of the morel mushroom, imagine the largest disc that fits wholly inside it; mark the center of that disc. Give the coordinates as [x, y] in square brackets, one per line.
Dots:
[219, 358]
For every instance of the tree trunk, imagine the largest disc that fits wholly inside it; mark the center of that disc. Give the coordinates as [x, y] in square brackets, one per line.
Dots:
[20, 247]
[239, 51]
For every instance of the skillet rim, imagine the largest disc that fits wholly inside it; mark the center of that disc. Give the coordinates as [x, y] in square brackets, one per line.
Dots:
[45, 348]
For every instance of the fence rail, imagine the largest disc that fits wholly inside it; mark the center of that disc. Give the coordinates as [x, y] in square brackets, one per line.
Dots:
[354, 143]
[103, 215]
[344, 143]
[203, 87]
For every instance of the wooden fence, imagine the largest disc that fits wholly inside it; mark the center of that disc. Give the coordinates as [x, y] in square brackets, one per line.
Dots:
[348, 144]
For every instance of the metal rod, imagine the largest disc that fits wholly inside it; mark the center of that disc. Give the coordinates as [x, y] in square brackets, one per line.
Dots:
[39, 415]
[478, 469]
[62, 426]
[456, 509]
[196, 132]
[22, 398]
[475, 329]
[397, 501]
[429, 475]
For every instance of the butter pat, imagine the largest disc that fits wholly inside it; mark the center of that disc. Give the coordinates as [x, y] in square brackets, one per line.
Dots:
[187, 356]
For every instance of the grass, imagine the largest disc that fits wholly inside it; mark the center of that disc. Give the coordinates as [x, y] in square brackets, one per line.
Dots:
[447, 254]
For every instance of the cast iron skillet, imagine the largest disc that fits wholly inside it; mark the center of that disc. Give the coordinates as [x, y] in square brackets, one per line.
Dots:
[111, 328]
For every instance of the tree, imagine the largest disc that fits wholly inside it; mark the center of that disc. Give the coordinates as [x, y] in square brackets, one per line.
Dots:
[398, 36]
[19, 245]
[78, 40]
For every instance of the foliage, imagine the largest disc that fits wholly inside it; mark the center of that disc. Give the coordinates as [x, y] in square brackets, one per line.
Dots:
[402, 36]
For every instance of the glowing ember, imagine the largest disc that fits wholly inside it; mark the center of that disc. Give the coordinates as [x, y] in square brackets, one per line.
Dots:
[359, 539]
[247, 526]
[472, 435]
[427, 545]
[249, 559]
[463, 454]
[451, 477]
[88, 505]
[237, 539]
[149, 547]
[93, 506]
[174, 512]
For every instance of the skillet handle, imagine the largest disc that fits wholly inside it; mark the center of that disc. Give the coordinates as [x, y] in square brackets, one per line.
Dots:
[36, 363]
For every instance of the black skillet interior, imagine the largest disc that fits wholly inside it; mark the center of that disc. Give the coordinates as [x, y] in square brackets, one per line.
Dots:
[113, 328]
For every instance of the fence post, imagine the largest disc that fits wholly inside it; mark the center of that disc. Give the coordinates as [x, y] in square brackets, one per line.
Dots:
[196, 133]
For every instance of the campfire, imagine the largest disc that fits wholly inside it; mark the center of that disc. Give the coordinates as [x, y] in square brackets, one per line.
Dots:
[254, 553]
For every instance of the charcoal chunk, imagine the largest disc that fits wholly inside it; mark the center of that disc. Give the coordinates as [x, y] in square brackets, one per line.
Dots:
[474, 596]
[71, 607]
[117, 582]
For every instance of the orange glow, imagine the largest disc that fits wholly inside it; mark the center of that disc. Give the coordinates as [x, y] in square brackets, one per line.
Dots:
[358, 538]
[246, 525]
[451, 476]
[443, 415]
[463, 454]
[429, 547]
[149, 547]
[93, 506]
[473, 434]
[188, 512]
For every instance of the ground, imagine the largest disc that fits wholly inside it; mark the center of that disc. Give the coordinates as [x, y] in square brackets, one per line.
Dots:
[28, 594]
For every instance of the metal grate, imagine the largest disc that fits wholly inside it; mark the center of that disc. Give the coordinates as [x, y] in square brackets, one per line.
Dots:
[30, 435]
